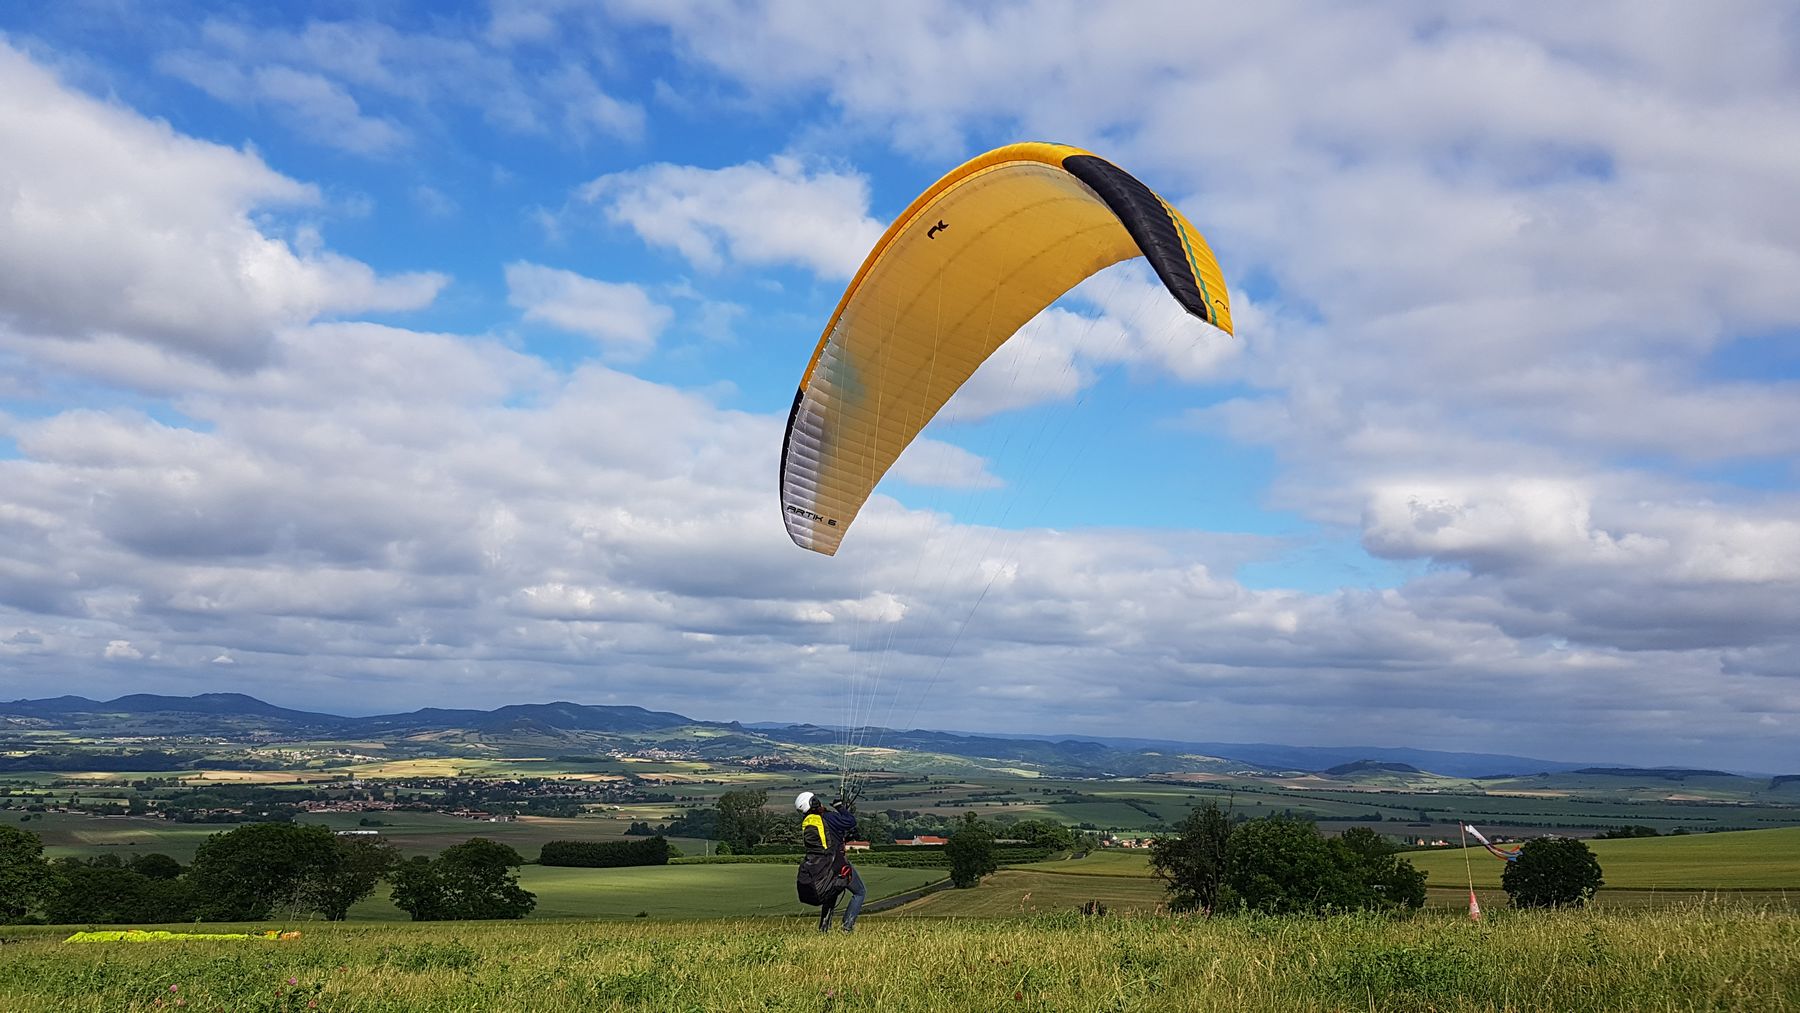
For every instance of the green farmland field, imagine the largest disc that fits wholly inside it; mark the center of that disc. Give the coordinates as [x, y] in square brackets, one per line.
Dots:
[83, 836]
[1011, 894]
[80, 835]
[1762, 864]
[1097, 863]
[1741, 860]
[1734, 860]
[670, 891]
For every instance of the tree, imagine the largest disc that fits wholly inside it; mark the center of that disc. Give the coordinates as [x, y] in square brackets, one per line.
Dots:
[471, 880]
[156, 865]
[23, 874]
[874, 828]
[971, 851]
[1193, 862]
[1552, 872]
[1042, 834]
[242, 875]
[742, 821]
[417, 890]
[105, 891]
[360, 863]
[1379, 876]
[1281, 865]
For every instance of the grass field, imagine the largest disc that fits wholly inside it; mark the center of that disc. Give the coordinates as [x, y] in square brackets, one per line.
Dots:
[1767, 860]
[1097, 863]
[670, 891]
[1718, 957]
[1010, 894]
[81, 835]
[1740, 860]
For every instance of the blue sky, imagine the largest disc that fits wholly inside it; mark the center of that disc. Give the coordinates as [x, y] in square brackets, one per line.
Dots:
[369, 358]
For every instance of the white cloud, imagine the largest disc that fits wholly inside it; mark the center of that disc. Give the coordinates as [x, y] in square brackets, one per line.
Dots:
[757, 214]
[316, 106]
[376, 505]
[434, 202]
[936, 463]
[370, 88]
[620, 316]
[588, 111]
[1493, 260]
[121, 650]
[111, 224]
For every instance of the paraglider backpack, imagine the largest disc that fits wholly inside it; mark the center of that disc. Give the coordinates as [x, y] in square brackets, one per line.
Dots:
[823, 872]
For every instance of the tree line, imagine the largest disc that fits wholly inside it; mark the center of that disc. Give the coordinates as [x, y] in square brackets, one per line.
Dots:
[1284, 865]
[255, 872]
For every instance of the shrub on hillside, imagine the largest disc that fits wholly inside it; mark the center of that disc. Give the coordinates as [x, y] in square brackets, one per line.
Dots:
[23, 874]
[1552, 872]
[474, 879]
[605, 854]
[105, 891]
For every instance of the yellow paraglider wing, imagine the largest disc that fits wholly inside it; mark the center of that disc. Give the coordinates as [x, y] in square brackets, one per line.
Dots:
[977, 255]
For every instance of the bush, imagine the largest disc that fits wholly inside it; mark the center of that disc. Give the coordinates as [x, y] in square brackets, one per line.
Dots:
[1192, 862]
[242, 875]
[105, 891]
[605, 854]
[23, 875]
[472, 880]
[971, 852]
[1552, 872]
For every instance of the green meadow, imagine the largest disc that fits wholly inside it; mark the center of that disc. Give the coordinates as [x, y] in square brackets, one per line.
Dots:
[1703, 957]
[1011, 893]
[1733, 860]
[670, 891]
[414, 833]
[1739, 860]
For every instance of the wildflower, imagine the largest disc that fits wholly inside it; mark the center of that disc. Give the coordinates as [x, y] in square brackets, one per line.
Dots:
[1019, 995]
[293, 981]
[174, 988]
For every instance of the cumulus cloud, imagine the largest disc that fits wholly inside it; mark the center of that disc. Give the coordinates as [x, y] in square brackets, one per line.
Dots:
[318, 107]
[1486, 283]
[324, 77]
[121, 650]
[936, 463]
[759, 214]
[116, 226]
[378, 506]
[620, 316]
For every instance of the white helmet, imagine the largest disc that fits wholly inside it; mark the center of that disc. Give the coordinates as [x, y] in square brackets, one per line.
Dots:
[804, 801]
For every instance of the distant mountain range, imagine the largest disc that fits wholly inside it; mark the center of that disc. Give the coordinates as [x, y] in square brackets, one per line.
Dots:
[237, 706]
[230, 714]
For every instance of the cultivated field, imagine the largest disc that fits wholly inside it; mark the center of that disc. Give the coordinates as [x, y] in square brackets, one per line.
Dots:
[670, 891]
[1714, 957]
[1010, 894]
[1744, 860]
[1764, 865]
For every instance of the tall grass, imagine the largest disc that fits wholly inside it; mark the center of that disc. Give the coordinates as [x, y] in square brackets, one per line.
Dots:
[1712, 957]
